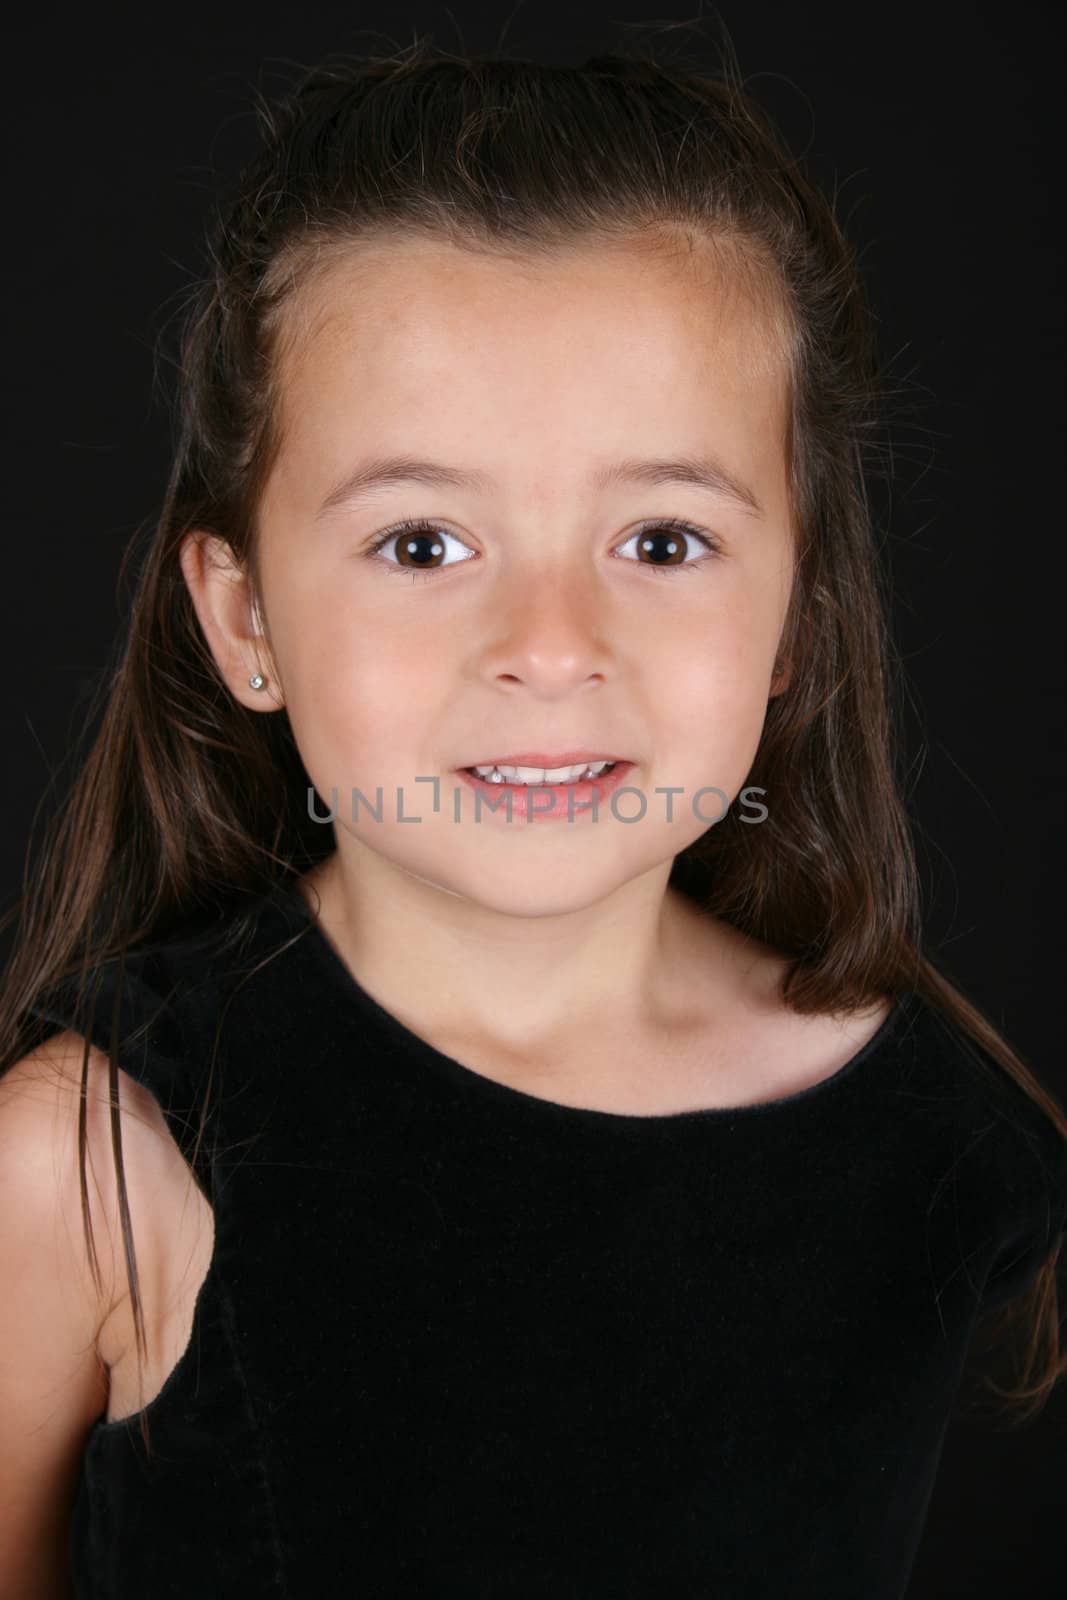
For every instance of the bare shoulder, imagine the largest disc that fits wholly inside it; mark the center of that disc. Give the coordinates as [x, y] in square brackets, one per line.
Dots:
[41, 1100]
[171, 1220]
[797, 1050]
[762, 1048]
[41, 1104]
[53, 1383]
[61, 1332]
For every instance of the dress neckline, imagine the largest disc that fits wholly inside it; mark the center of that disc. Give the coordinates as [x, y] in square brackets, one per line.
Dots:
[505, 1097]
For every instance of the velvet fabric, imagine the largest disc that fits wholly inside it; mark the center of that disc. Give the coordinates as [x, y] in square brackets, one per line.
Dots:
[459, 1341]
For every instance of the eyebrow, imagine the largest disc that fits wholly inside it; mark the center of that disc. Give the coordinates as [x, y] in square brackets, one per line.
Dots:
[699, 472]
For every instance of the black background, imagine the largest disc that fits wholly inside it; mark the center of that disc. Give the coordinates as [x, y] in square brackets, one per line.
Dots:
[938, 128]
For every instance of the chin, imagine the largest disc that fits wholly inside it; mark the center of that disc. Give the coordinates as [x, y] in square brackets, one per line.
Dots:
[525, 890]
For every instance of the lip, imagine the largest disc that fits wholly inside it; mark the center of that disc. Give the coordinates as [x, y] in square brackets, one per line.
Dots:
[538, 758]
[568, 802]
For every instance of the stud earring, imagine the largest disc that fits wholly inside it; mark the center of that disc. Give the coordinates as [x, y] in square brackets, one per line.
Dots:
[256, 681]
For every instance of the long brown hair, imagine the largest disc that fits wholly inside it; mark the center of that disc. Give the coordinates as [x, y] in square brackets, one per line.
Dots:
[183, 798]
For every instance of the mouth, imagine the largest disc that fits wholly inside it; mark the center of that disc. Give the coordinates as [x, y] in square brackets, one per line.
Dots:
[554, 773]
[572, 790]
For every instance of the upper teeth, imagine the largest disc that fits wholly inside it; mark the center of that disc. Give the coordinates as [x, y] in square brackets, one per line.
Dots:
[540, 774]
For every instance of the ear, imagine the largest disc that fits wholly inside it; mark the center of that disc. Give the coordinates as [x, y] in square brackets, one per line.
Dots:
[782, 677]
[221, 593]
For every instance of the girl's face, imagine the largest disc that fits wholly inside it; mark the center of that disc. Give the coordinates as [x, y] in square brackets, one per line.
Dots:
[539, 623]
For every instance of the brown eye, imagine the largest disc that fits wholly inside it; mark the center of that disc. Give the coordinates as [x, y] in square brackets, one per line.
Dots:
[419, 547]
[663, 546]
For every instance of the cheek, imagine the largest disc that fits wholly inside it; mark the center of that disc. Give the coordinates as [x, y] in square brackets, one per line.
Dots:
[714, 691]
[360, 698]
[723, 659]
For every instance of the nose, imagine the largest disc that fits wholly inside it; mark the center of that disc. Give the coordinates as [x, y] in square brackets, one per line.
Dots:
[549, 634]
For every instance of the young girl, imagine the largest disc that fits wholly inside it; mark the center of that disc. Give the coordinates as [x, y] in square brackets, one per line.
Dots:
[478, 1119]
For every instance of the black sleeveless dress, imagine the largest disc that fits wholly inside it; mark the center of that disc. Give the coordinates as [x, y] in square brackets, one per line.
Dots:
[460, 1341]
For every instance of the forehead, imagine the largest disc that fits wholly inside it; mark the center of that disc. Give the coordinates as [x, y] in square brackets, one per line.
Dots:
[484, 356]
